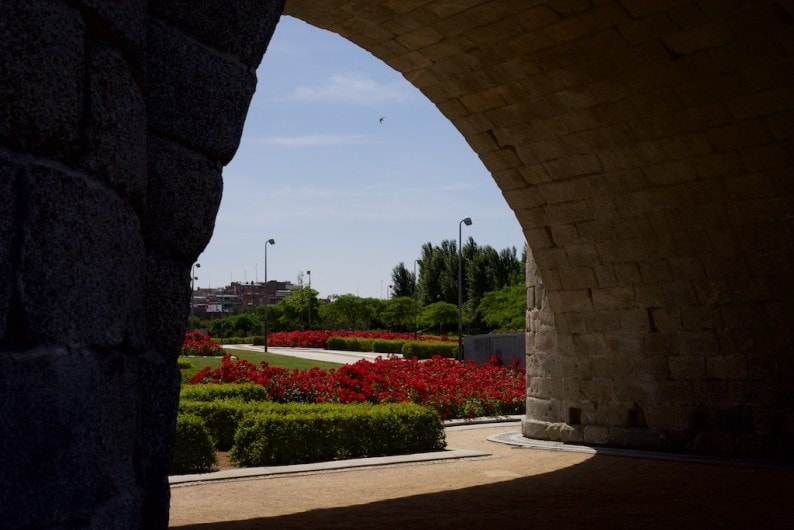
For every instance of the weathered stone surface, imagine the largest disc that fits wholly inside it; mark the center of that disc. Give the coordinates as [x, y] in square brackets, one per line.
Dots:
[115, 124]
[9, 176]
[644, 146]
[41, 69]
[73, 229]
[183, 196]
[253, 22]
[95, 254]
[195, 97]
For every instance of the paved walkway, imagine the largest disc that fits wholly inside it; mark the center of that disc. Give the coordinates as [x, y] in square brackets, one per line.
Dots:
[315, 354]
[495, 480]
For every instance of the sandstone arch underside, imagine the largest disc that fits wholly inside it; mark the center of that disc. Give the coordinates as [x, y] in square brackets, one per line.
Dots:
[645, 147]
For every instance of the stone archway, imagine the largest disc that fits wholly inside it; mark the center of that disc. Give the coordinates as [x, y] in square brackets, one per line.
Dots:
[644, 145]
[645, 150]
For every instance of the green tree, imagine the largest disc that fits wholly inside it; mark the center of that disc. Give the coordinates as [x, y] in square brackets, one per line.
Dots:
[438, 281]
[245, 324]
[442, 315]
[506, 308]
[484, 270]
[398, 313]
[298, 306]
[194, 322]
[402, 281]
[348, 311]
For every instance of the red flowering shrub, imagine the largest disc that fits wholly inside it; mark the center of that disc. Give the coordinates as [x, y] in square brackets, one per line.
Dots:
[196, 343]
[455, 389]
[315, 338]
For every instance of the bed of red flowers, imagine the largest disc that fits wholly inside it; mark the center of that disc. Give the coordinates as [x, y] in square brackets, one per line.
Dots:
[453, 388]
[196, 343]
[315, 338]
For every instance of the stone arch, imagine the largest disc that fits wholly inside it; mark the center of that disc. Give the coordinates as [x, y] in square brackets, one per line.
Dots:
[644, 145]
[644, 149]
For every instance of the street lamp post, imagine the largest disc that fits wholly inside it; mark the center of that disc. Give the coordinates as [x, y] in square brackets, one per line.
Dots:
[467, 222]
[309, 274]
[193, 277]
[416, 303]
[268, 242]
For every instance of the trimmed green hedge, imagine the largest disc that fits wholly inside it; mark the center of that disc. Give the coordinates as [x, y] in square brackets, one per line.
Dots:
[349, 344]
[387, 346]
[194, 451]
[234, 340]
[220, 417]
[223, 416]
[237, 417]
[336, 431]
[239, 391]
[408, 348]
[428, 349]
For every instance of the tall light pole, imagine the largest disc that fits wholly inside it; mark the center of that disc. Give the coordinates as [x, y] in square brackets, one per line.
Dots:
[416, 303]
[467, 222]
[388, 292]
[192, 289]
[309, 274]
[268, 242]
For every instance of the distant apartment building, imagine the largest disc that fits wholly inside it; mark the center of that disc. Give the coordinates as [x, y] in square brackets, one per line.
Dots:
[238, 297]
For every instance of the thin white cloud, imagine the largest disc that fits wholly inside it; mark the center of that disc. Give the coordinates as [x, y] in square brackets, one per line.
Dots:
[352, 88]
[311, 140]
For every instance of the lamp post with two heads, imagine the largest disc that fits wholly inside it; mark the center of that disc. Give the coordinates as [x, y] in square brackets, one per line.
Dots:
[268, 242]
[416, 302]
[309, 274]
[467, 222]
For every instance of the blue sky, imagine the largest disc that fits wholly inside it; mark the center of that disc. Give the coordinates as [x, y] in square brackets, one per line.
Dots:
[344, 195]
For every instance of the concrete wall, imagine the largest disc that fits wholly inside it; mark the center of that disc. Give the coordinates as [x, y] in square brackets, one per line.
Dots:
[505, 347]
[644, 145]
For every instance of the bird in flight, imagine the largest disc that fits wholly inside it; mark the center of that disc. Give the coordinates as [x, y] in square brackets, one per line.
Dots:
[381, 119]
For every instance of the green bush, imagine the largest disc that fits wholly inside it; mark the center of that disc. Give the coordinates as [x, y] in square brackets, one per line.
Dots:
[387, 346]
[194, 451]
[239, 391]
[236, 340]
[220, 417]
[428, 349]
[321, 433]
[183, 364]
[349, 344]
[222, 411]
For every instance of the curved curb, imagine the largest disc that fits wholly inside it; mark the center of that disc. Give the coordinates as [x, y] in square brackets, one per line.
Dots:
[336, 465]
[354, 463]
[517, 439]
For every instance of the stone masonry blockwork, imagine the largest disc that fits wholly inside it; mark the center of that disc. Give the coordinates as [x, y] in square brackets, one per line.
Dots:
[644, 146]
[109, 116]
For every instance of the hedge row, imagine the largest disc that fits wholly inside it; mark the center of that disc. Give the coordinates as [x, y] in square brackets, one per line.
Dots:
[335, 432]
[193, 448]
[349, 344]
[408, 348]
[266, 433]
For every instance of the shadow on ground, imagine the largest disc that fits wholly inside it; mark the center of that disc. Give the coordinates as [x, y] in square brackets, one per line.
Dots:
[602, 492]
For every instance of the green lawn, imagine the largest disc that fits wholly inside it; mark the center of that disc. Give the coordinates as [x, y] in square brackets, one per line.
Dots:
[273, 359]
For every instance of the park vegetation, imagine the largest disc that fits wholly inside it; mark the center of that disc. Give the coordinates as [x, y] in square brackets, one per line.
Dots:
[494, 299]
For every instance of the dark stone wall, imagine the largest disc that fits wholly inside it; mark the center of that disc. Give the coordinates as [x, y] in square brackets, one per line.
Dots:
[117, 119]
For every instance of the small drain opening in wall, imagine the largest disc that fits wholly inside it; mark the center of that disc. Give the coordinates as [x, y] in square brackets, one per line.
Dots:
[574, 416]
